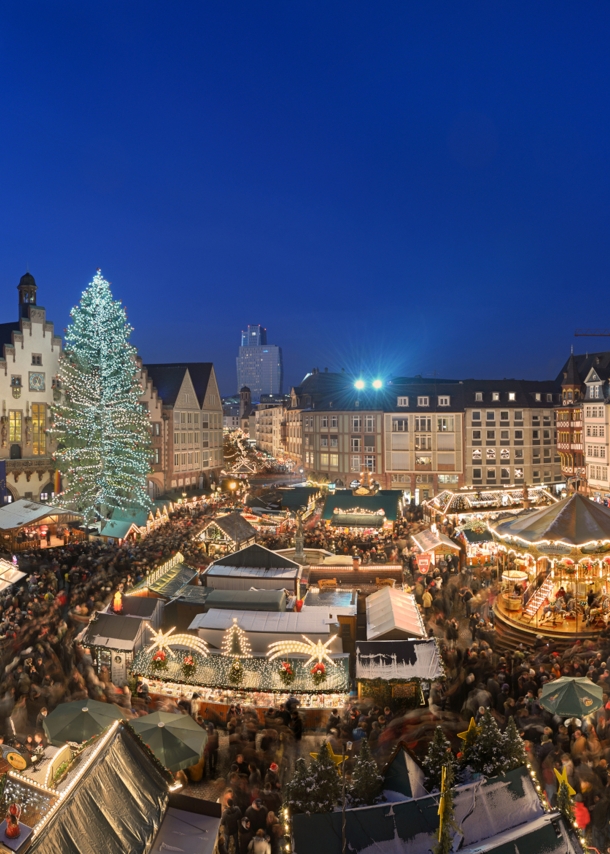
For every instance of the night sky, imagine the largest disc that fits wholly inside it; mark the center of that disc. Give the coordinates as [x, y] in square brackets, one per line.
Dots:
[388, 187]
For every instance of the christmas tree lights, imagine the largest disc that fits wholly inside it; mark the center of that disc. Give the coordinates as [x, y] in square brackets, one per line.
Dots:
[102, 430]
[235, 643]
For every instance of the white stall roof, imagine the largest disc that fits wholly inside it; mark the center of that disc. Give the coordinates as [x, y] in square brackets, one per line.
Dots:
[253, 572]
[315, 621]
[392, 611]
[9, 572]
[24, 512]
[428, 541]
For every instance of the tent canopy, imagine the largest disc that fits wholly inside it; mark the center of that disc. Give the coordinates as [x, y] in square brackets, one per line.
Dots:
[22, 513]
[393, 615]
[575, 520]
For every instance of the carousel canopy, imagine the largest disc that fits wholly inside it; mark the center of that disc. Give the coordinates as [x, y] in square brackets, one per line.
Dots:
[576, 520]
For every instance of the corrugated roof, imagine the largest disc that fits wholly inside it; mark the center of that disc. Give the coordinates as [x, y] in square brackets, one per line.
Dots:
[390, 610]
[429, 540]
[313, 621]
[257, 557]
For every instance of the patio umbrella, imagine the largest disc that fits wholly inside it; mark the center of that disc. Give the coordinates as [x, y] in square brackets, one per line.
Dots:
[176, 740]
[79, 720]
[571, 696]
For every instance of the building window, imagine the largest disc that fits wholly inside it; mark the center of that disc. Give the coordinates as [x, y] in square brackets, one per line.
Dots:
[402, 401]
[324, 460]
[369, 423]
[518, 474]
[334, 461]
[423, 424]
[324, 441]
[195, 418]
[505, 455]
[400, 425]
[176, 460]
[183, 459]
[505, 474]
[495, 395]
[549, 398]
[39, 423]
[491, 416]
[423, 461]
[504, 416]
[334, 441]
[512, 395]
[476, 416]
[444, 400]
[491, 435]
[190, 459]
[157, 428]
[356, 422]
[476, 455]
[356, 444]
[504, 435]
[197, 459]
[14, 431]
[356, 463]
[333, 422]
[423, 401]
[518, 415]
[491, 453]
[476, 435]
[36, 359]
[491, 474]
[369, 462]
[446, 424]
[478, 396]
[477, 474]
[423, 443]
[157, 456]
[324, 422]
[518, 435]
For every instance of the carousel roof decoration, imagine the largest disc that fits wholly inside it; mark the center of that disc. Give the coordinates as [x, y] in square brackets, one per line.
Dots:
[575, 521]
[317, 650]
[485, 500]
[165, 640]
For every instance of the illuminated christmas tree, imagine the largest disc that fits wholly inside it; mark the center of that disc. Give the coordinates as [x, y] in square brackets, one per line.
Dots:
[103, 432]
[235, 643]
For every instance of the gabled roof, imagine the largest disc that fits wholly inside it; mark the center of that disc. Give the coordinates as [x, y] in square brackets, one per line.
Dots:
[26, 512]
[428, 541]
[403, 776]
[391, 612]
[571, 377]
[582, 363]
[167, 379]
[575, 520]
[237, 529]
[112, 630]
[255, 557]
[6, 334]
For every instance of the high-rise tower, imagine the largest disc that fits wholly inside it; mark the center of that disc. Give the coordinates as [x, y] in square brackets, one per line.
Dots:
[259, 365]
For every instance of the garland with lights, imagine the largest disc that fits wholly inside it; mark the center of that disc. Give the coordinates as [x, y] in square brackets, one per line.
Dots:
[102, 430]
[188, 665]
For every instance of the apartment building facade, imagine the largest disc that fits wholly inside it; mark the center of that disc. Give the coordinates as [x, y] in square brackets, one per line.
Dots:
[596, 426]
[188, 443]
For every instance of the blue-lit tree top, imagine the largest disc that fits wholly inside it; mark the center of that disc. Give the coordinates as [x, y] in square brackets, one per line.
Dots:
[103, 434]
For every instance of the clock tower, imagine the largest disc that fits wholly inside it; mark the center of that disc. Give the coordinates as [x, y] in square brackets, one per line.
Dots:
[27, 294]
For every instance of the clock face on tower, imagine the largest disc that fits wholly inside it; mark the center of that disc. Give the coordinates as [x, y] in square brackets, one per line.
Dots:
[37, 381]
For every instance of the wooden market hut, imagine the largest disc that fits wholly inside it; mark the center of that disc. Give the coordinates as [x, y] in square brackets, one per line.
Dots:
[343, 509]
[225, 534]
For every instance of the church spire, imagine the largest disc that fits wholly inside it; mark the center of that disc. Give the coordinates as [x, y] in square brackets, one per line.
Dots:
[27, 294]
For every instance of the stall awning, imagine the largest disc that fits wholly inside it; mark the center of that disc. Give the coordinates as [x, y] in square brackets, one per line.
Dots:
[429, 541]
[391, 612]
[22, 513]
[355, 520]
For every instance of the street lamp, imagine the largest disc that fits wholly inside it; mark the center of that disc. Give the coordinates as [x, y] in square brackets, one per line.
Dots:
[232, 487]
[359, 384]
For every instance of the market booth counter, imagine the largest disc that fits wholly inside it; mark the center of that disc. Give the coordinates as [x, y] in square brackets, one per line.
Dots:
[553, 562]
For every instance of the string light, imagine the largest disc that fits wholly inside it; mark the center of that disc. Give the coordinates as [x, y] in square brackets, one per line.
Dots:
[102, 431]
[319, 650]
[235, 643]
[165, 640]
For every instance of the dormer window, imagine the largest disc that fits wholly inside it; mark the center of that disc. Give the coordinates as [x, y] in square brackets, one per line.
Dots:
[423, 401]
[595, 392]
[537, 396]
[495, 395]
[402, 401]
[549, 398]
[444, 400]
[512, 395]
[478, 395]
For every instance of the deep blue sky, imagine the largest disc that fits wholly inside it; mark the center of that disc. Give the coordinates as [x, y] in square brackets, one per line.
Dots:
[413, 187]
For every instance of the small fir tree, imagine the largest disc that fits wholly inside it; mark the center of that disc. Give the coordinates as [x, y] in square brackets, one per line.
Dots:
[514, 749]
[565, 804]
[439, 754]
[486, 753]
[445, 809]
[327, 782]
[300, 790]
[103, 433]
[367, 782]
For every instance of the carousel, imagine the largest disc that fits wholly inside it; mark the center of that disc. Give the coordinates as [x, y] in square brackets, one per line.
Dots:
[554, 566]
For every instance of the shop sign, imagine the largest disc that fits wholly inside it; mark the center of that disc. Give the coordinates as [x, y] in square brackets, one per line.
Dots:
[423, 563]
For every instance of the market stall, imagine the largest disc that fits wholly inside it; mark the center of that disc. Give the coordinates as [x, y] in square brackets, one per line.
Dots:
[555, 567]
[26, 525]
[345, 509]
[480, 546]
[464, 504]
[225, 534]
[435, 544]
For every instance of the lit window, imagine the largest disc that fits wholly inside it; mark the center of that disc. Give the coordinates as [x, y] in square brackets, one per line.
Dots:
[39, 423]
[512, 395]
[495, 395]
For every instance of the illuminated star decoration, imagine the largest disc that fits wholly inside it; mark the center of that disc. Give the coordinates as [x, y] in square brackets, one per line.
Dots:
[317, 650]
[563, 778]
[164, 640]
[337, 758]
[472, 727]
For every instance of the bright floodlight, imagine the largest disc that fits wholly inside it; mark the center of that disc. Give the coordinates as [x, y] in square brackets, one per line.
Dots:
[359, 383]
[377, 383]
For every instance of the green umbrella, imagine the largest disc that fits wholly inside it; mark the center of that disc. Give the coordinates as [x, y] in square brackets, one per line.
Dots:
[571, 696]
[176, 740]
[80, 720]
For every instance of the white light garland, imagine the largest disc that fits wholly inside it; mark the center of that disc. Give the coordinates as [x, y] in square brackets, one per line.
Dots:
[165, 640]
[317, 650]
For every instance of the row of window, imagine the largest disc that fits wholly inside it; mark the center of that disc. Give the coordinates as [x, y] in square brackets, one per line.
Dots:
[598, 473]
[596, 451]
[490, 435]
[193, 438]
[424, 400]
[596, 430]
[38, 437]
[359, 422]
[209, 420]
[594, 411]
[490, 415]
[423, 424]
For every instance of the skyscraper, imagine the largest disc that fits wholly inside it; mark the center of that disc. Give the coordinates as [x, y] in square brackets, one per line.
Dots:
[259, 365]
